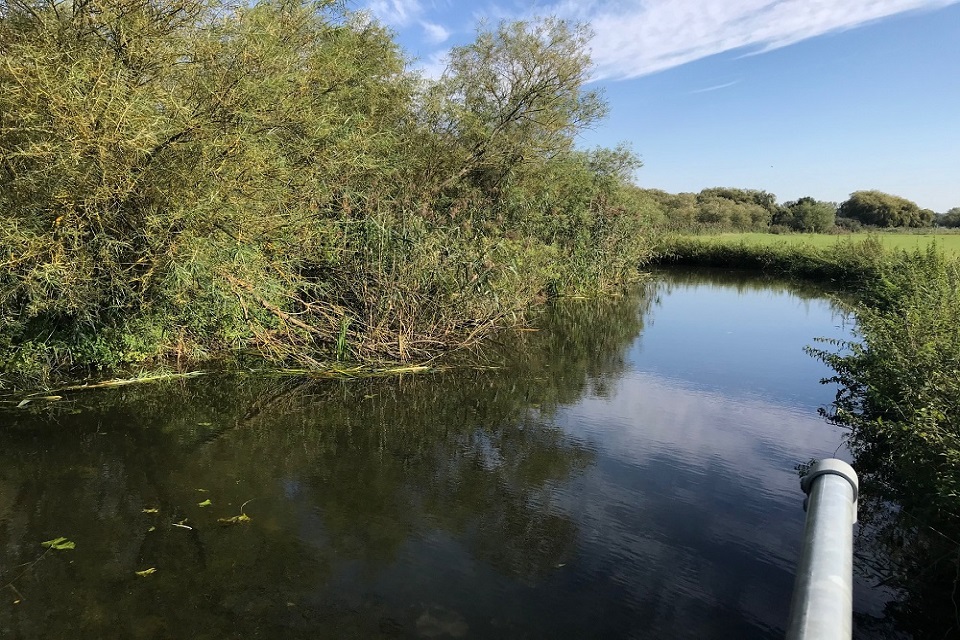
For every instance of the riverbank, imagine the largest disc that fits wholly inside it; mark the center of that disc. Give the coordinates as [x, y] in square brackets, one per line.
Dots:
[899, 399]
[948, 240]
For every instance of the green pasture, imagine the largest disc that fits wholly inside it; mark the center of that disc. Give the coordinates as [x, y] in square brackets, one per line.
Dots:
[948, 242]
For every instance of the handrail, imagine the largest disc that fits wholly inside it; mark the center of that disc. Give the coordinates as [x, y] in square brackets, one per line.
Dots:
[822, 606]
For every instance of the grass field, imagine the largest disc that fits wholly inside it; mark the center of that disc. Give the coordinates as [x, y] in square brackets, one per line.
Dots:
[948, 242]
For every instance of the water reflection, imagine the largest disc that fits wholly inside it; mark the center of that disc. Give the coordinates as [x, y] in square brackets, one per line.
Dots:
[592, 483]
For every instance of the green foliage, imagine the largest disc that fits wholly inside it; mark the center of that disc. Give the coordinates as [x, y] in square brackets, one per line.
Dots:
[844, 265]
[716, 209]
[59, 544]
[884, 210]
[950, 219]
[849, 224]
[240, 519]
[900, 398]
[184, 178]
[729, 209]
[676, 211]
[808, 215]
[743, 209]
[762, 199]
[516, 95]
[901, 387]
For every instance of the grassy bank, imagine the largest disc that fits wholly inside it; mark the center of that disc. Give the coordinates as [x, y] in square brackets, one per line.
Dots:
[852, 267]
[899, 399]
[947, 242]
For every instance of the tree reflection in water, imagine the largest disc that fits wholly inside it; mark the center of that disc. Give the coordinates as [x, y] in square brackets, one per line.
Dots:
[355, 491]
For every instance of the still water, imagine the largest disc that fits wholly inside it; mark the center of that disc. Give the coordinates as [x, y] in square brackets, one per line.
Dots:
[624, 471]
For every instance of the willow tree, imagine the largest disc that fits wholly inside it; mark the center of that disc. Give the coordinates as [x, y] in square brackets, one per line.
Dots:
[186, 177]
[517, 94]
[807, 214]
[884, 210]
[162, 160]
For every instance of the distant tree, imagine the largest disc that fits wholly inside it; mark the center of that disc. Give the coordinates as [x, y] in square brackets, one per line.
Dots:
[679, 210]
[885, 210]
[807, 214]
[743, 196]
[736, 208]
[951, 218]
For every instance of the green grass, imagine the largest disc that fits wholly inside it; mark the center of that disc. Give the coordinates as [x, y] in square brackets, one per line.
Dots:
[949, 243]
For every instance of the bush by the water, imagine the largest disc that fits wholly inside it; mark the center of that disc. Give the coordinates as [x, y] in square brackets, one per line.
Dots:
[186, 178]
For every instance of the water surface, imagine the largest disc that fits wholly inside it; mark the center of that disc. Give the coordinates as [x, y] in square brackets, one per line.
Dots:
[624, 471]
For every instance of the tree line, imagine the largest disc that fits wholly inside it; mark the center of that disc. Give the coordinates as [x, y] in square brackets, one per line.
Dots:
[755, 210]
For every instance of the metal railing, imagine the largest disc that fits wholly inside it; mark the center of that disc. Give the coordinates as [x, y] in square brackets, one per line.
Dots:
[822, 606]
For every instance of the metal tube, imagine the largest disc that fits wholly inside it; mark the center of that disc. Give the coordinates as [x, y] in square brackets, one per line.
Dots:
[822, 606]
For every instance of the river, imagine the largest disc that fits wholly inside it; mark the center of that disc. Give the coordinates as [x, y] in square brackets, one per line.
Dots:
[624, 469]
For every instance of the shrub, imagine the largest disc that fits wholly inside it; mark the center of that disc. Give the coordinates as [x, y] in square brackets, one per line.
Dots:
[181, 179]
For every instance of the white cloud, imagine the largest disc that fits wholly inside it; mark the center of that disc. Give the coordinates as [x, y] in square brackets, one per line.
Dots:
[716, 87]
[397, 13]
[434, 65]
[639, 37]
[436, 33]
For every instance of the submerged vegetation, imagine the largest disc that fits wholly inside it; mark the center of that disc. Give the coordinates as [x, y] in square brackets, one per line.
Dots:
[899, 399]
[182, 179]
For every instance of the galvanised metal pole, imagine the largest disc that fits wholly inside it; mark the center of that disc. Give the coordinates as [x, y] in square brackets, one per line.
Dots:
[822, 607]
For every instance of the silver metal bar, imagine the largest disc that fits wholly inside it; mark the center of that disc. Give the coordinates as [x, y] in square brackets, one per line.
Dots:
[822, 606]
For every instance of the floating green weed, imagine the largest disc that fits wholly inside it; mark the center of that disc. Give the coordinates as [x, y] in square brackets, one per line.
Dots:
[243, 518]
[59, 544]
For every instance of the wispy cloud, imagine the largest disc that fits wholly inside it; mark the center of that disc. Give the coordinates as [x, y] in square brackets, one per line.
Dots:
[716, 87]
[397, 13]
[433, 65]
[436, 33]
[639, 37]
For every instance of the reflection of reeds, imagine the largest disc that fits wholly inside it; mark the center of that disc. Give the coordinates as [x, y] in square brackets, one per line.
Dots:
[327, 372]
[358, 371]
[368, 459]
[48, 394]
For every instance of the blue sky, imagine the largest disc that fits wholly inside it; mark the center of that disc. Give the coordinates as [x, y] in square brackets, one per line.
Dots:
[797, 97]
